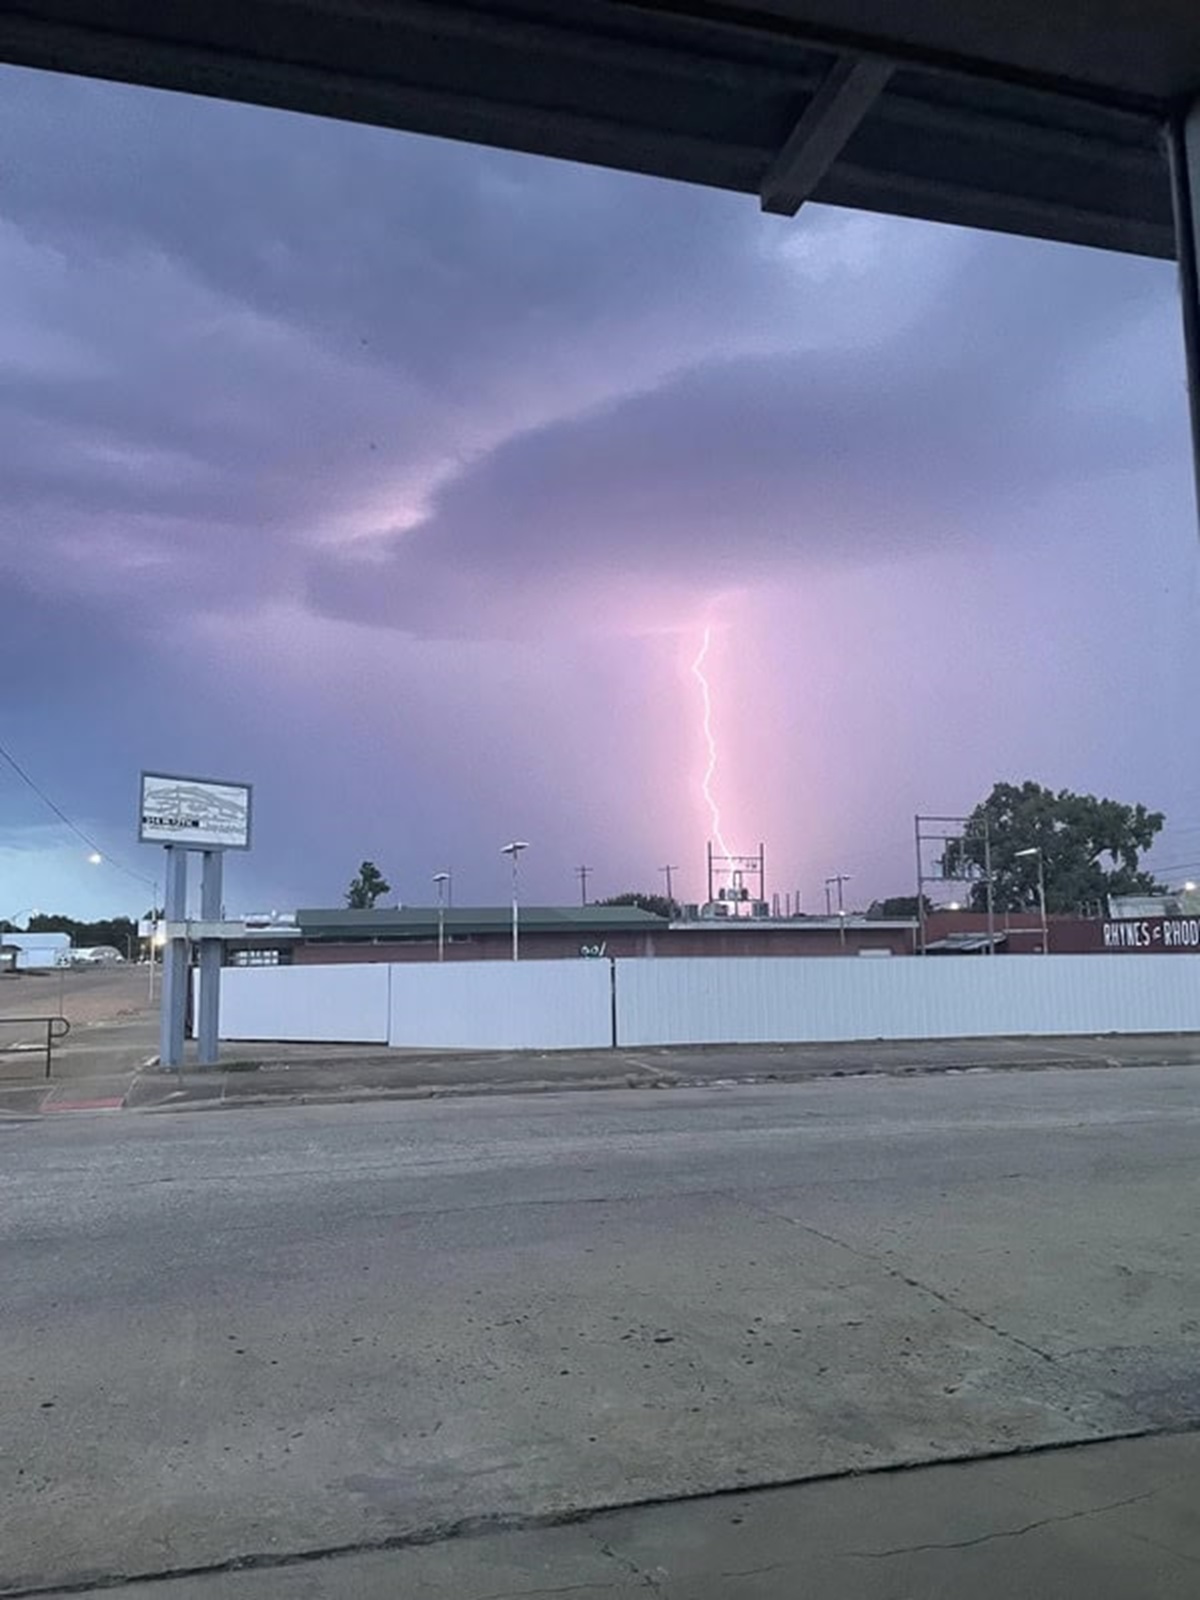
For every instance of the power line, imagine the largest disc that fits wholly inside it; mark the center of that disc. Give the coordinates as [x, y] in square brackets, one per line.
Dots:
[66, 820]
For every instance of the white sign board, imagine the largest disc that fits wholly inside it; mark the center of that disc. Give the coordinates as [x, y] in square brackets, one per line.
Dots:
[198, 813]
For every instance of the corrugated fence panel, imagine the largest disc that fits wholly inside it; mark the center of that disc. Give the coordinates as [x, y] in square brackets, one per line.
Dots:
[334, 1004]
[549, 1005]
[744, 1001]
[502, 1005]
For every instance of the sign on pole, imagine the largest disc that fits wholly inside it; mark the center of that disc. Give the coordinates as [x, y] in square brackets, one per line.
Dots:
[194, 813]
[207, 817]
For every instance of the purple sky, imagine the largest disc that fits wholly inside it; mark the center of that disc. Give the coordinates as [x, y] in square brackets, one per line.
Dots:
[403, 478]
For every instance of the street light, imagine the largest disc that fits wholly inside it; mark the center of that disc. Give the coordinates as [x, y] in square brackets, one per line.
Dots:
[1036, 850]
[95, 859]
[841, 879]
[1189, 887]
[513, 852]
[441, 879]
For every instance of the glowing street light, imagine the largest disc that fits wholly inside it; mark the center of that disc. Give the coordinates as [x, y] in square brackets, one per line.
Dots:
[95, 859]
[1189, 887]
[513, 852]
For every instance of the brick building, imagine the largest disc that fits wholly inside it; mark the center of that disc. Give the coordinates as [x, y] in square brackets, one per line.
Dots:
[484, 933]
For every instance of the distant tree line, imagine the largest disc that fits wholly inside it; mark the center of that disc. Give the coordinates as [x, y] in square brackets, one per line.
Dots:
[119, 932]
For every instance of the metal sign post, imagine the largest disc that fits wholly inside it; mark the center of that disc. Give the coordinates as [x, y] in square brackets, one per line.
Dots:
[192, 815]
[173, 1016]
[209, 1005]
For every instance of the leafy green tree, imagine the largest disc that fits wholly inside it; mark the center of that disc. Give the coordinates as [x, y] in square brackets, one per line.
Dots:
[1090, 847]
[366, 887]
[657, 904]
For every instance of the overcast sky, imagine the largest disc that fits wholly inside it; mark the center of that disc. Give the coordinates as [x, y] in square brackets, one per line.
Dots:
[402, 479]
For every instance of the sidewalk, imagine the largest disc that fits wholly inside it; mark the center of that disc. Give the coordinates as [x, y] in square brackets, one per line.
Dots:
[105, 1064]
[1112, 1521]
[91, 1068]
[265, 1073]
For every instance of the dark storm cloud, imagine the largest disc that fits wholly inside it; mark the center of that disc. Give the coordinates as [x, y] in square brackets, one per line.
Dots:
[439, 257]
[240, 352]
[738, 470]
[240, 328]
[236, 326]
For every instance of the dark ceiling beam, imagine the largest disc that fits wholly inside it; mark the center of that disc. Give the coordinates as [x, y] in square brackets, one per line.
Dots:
[688, 61]
[965, 204]
[728, 18]
[381, 101]
[833, 114]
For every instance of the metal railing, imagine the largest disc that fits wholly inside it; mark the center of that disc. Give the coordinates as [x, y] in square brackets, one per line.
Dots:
[56, 1028]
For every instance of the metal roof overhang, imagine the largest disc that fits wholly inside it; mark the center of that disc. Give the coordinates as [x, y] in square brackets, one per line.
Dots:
[1034, 118]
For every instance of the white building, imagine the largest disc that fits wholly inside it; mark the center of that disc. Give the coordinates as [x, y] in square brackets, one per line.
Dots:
[35, 952]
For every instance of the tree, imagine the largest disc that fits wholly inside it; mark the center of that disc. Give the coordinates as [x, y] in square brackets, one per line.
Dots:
[899, 905]
[1089, 848]
[657, 904]
[119, 933]
[367, 887]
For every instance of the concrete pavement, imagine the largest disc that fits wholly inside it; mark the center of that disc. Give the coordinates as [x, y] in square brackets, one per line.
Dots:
[1111, 1521]
[265, 1073]
[334, 1327]
[114, 1032]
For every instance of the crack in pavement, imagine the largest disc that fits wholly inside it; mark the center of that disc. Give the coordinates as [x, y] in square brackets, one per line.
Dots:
[1013, 1533]
[646, 1579]
[488, 1524]
[878, 1261]
[562, 1588]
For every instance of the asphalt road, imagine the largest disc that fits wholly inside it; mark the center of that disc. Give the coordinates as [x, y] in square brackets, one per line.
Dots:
[322, 1327]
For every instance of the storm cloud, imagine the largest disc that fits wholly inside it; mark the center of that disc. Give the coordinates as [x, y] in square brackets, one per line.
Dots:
[350, 462]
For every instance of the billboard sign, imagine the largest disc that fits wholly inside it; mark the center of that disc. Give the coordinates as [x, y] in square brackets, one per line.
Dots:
[1153, 933]
[197, 813]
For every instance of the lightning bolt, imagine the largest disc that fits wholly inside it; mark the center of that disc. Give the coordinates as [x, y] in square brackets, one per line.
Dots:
[710, 740]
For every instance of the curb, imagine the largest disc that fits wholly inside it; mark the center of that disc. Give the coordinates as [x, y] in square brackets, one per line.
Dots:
[221, 1100]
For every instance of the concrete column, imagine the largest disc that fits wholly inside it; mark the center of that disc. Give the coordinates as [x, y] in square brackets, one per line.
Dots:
[173, 1016]
[209, 1007]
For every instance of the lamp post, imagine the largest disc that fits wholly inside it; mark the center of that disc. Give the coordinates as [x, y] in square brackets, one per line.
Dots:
[513, 852]
[1036, 850]
[441, 879]
[841, 879]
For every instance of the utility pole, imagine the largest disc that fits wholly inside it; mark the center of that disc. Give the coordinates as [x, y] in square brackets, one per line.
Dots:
[841, 879]
[666, 872]
[582, 873]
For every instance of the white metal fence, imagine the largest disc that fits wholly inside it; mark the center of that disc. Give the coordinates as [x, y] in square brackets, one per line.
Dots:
[745, 1001]
[330, 1005]
[502, 1005]
[548, 1005]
